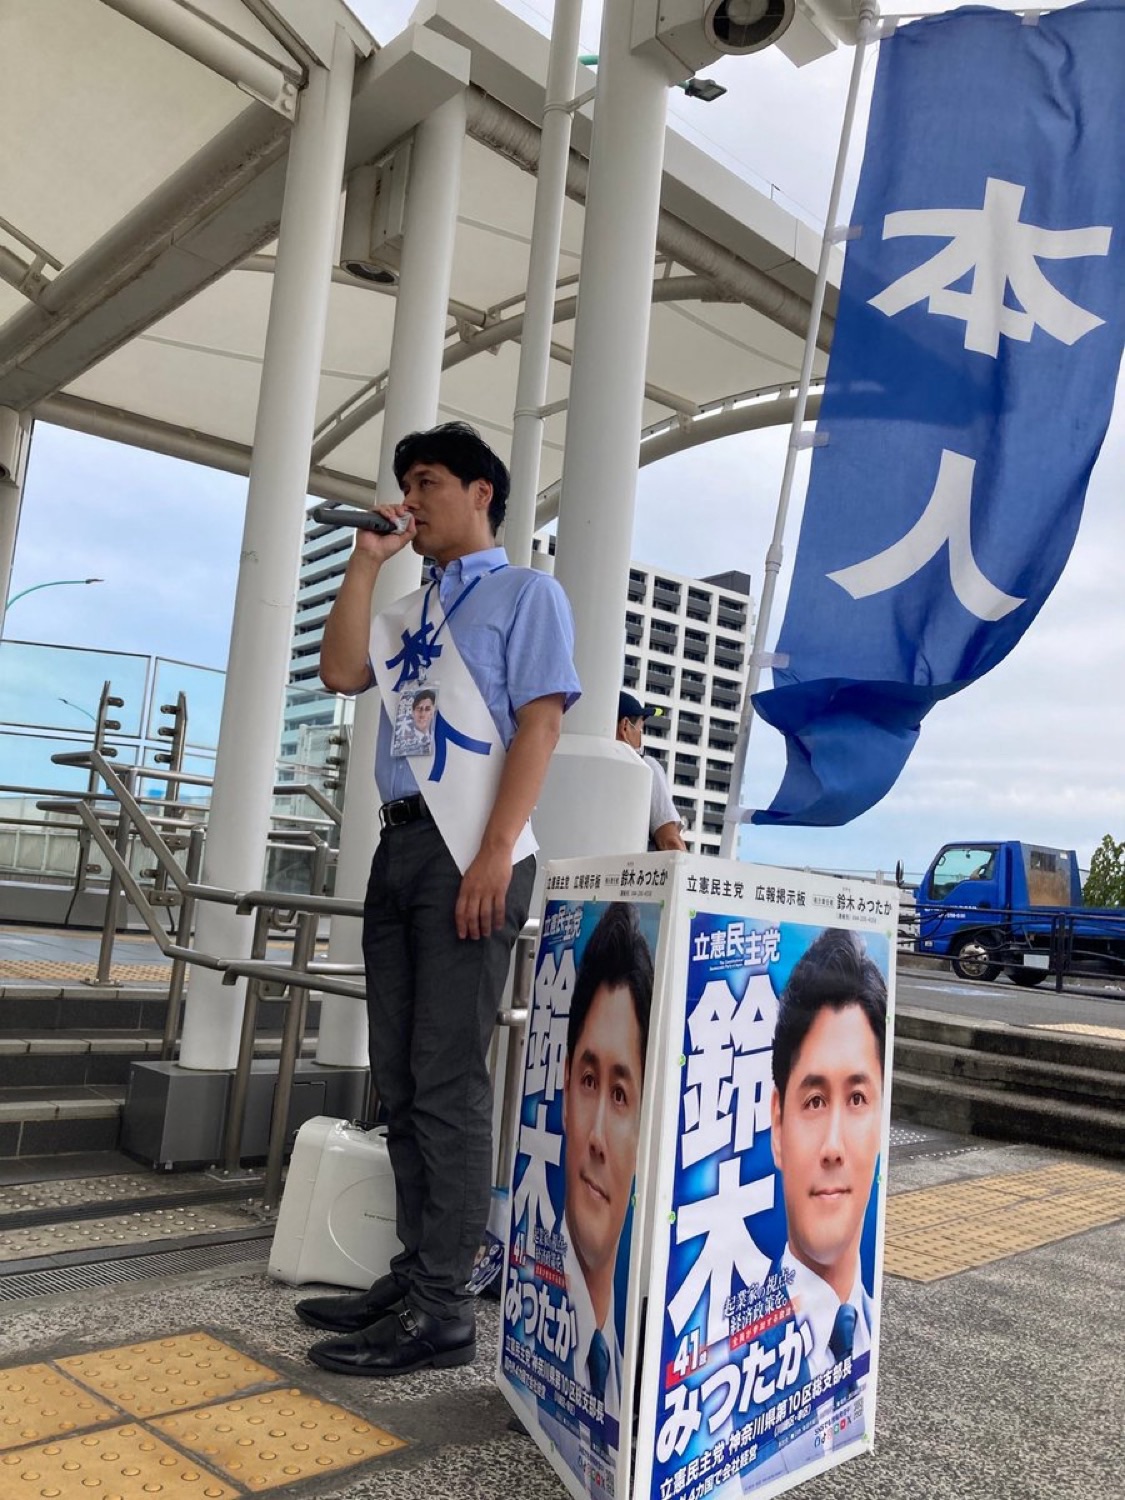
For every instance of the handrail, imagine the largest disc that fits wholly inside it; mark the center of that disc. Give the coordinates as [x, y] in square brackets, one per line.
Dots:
[325, 906]
[304, 974]
[137, 896]
[307, 789]
[263, 968]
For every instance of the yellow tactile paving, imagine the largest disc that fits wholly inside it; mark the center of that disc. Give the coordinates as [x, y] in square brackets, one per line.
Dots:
[37, 1402]
[55, 1442]
[1083, 1028]
[168, 1375]
[943, 1230]
[263, 1442]
[61, 970]
[117, 1463]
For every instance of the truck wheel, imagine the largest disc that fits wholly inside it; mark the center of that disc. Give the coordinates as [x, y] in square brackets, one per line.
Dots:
[970, 955]
[1026, 978]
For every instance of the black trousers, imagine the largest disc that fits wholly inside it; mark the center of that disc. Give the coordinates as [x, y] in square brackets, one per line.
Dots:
[432, 1000]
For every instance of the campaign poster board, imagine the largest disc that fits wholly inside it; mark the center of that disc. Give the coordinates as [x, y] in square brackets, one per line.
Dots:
[572, 1279]
[747, 1385]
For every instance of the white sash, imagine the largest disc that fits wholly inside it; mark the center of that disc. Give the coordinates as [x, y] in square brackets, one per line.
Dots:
[459, 784]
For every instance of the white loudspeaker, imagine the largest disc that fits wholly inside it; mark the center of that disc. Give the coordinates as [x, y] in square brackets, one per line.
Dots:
[337, 1218]
[687, 35]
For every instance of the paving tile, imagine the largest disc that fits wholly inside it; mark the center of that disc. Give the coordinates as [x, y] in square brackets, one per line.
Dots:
[36, 1402]
[278, 1438]
[162, 1376]
[940, 1231]
[126, 1463]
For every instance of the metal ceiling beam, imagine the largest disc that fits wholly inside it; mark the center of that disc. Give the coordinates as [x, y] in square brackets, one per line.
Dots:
[361, 406]
[229, 56]
[503, 130]
[166, 438]
[714, 422]
[220, 207]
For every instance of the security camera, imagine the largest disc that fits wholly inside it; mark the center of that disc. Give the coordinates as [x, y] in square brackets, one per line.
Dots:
[11, 442]
[374, 218]
[687, 35]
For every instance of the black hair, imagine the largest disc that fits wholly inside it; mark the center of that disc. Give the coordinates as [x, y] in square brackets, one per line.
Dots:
[461, 449]
[616, 954]
[834, 972]
[423, 693]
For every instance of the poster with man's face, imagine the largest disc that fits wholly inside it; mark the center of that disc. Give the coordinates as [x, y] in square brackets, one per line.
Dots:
[566, 1293]
[762, 1333]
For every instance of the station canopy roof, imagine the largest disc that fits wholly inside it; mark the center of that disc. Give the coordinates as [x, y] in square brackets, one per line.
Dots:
[140, 196]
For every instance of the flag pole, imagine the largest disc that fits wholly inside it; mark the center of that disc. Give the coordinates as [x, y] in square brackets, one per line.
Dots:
[735, 813]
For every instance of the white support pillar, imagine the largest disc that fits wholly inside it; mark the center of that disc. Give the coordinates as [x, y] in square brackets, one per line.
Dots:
[542, 273]
[15, 445]
[596, 798]
[413, 382]
[253, 705]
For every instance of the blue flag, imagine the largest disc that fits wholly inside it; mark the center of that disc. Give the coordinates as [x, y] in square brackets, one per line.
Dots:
[971, 382]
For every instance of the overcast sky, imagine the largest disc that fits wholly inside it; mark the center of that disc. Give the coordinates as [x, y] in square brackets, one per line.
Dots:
[1033, 750]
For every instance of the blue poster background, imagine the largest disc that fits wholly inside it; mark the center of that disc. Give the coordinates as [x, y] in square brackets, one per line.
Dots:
[735, 1185]
[537, 1300]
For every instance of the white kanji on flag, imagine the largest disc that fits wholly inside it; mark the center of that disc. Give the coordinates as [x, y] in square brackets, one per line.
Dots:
[1001, 252]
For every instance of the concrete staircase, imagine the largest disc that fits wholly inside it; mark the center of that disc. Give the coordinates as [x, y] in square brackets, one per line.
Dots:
[65, 1056]
[1015, 1083]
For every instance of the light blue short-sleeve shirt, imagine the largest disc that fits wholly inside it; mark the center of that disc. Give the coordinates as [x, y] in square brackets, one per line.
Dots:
[515, 633]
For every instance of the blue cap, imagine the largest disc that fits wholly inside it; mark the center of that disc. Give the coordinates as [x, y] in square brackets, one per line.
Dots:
[629, 707]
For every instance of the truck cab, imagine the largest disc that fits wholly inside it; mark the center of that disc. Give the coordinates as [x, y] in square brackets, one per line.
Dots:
[988, 906]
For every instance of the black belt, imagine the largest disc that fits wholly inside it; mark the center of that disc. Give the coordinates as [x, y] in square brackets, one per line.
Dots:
[403, 810]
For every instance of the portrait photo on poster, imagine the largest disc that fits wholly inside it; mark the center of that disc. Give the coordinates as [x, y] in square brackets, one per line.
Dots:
[768, 1256]
[574, 1180]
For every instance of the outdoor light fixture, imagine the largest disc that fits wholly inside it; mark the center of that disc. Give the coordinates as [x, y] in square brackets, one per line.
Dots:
[364, 270]
[703, 88]
[695, 88]
[52, 583]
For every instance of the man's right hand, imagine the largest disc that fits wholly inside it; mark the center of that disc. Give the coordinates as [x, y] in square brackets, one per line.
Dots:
[379, 547]
[344, 667]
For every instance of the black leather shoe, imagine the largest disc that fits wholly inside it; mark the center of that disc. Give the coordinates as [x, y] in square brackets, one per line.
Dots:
[350, 1314]
[399, 1343]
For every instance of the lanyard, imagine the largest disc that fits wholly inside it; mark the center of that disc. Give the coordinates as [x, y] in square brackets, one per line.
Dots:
[449, 613]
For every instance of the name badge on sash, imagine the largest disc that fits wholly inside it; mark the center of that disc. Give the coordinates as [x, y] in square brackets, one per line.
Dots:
[440, 720]
[412, 733]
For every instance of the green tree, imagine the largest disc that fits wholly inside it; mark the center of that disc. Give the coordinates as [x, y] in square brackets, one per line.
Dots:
[1105, 884]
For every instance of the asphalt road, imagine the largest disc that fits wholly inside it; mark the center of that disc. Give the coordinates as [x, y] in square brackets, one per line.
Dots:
[1086, 1004]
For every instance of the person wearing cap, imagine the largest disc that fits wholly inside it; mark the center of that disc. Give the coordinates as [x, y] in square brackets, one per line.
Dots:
[484, 652]
[663, 818]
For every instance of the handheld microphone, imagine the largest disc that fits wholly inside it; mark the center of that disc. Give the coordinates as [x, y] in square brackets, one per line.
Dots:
[360, 520]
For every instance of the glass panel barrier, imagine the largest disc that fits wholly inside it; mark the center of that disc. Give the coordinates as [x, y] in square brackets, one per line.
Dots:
[203, 688]
[58, 687]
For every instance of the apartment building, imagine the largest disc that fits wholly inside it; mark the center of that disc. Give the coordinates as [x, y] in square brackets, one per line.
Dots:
[312, 716]
[687, 643]
[687, 648]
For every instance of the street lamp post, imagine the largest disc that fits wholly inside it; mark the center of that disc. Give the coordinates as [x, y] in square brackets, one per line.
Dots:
[92, 717]
[53, 583]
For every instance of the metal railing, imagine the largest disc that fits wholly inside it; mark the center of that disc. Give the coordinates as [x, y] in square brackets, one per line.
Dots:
[272, 911]
[182, 888]
[1071, 944]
